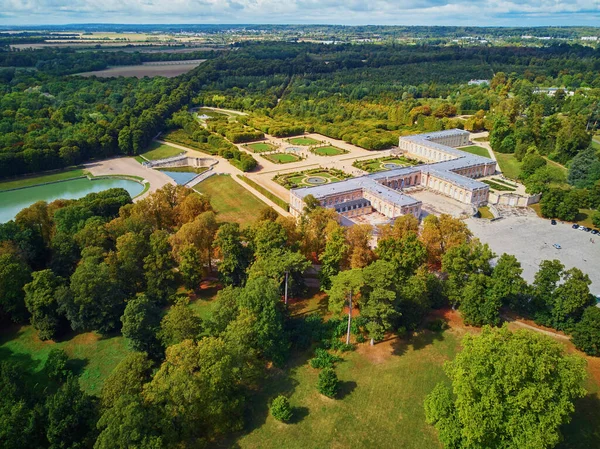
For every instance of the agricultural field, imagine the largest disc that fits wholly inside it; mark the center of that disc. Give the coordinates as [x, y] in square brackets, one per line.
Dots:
[329, 150]
[477, 150]
[259, 147]
[158, 151]
[230, 200]
[169, 69]
[310, 178]
[303, 141]
[29, 181]
[282, 158]
[384, 163]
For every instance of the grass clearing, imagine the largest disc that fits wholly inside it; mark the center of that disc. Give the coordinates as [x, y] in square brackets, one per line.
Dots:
[168, 70]
[158, 151]
[498, 187]
[596, 144]
[303, 141]
[329, 150]
[30, 181]
[259, 147]
[509, 165]
[584, 218]
[91, 355]
[281, 203]
[474, 149]
[230, 200]
[485, 212]
[282, 158]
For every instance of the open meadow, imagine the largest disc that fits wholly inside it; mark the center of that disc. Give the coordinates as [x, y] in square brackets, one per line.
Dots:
[168, 69]
[158, 150]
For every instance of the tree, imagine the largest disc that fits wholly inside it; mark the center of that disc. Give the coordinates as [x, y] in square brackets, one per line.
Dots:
[72, 417]
[378, 299]
[56, 365]
[477, 305]
[132, 249]
[442, 233]
[280, 409]
[586, 334]
[141, 322]
[126, 379]
[334, 255]
[328, 383]
[42, 301]
[190, 266]
[359, 237]
[200, 233]
[507, 284]
[570, 299]
[268, 236]
[14, 274]
[510, 390]
[405, 253]
[179, 324]
[97, 303]
[268, 213]
[234, 256]
[584, 170]
[158, 268]
[344, 288]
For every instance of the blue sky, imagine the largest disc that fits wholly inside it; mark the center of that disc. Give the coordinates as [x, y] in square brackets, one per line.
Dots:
[347, 12]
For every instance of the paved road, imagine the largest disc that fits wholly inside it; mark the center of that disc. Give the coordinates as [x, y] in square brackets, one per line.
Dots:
[530, 239]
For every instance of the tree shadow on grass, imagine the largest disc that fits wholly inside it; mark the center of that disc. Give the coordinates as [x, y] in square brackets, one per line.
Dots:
[419, 341]
[298, 414]
[345, 389]
[584, 429]
[76, 366]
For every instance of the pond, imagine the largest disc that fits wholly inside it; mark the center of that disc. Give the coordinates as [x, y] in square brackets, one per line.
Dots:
[391, 165]
[316, 180]
[11, 202]
[180, 177]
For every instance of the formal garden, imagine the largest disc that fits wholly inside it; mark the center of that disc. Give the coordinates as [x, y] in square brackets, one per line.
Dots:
[310, 178]
[303, 141]
[328, 150]
[260, 147]
[384, 163]
[282, 158]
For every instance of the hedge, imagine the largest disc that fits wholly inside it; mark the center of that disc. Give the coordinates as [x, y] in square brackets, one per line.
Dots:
[285, 206]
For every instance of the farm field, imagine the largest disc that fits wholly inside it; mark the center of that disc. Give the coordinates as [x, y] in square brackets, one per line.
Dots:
[259, 147]
[474, 149]
[281, 158]
[303, 141]
[160, 151]
[169, 70]
[329, 151]
[42, 179]
[230, 200]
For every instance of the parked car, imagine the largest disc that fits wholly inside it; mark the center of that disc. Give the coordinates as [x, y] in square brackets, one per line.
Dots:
[557, 246]
[594, 231]
[575, 226]
[587, 229]
[553, 222]
[581, 228]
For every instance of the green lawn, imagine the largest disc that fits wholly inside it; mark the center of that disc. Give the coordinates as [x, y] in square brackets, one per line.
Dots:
[486, 213]
[160, 151]
[509, 165]
[298, 179]
[303, 141]
[380, 405]
[281, 158]
[377, 165]
[185, 169]
[329, 151]
[596, 143]
[29, 181]
[474, 149]
[90, 354]
[259, 147]
[231, 201]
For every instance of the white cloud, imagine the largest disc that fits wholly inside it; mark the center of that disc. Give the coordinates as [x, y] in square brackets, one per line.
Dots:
[390, 12]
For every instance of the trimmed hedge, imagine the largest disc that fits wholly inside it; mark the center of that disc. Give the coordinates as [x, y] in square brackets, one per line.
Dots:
[285, 206]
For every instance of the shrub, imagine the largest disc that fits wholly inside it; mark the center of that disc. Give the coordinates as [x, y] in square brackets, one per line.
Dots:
[280, 409]
[56, 365]
[437, 325]
[324, 359]
[328, 383]
[586, 335]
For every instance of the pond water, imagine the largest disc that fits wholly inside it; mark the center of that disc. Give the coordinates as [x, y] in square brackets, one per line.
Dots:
[179, 177]
[391, 165]
[13, 201]
[316, 180]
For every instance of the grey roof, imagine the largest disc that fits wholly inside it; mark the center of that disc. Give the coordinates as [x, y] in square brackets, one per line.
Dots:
[362, 202]
[444, 170]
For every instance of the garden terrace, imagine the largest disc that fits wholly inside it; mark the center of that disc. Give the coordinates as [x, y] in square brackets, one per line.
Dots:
[328, 150]
[282, 158]
[310, 178]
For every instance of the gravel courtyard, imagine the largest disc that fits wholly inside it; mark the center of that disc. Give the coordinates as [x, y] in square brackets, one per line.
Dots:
[530, 239]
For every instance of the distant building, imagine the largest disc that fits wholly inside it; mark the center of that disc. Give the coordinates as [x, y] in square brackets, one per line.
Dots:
[589, 38]
[478, 82]
[449, 172]
[551, 91]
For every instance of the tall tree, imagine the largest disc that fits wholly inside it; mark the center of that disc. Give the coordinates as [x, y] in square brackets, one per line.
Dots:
[141, 321]
[42, 300]
[158, 268]
[510, 390]
[179, 324]
[14, 274]
[234, 256]
[344, 288]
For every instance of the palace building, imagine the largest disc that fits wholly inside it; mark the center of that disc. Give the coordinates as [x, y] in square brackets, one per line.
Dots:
[446, 170]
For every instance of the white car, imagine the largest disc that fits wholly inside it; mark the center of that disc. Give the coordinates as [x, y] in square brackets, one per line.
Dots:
[557, 246]
[581, 228]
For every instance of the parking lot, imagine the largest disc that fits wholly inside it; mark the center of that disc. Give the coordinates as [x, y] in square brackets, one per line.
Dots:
[530, 239]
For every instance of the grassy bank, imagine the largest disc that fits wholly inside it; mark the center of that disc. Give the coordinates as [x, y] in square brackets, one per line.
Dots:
[509, 165]
[231, 201]
[265, 192]
[160, 151]
[474, 149]
[42, 179]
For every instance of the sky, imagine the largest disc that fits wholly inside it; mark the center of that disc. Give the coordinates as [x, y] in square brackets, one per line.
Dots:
[342, 12]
